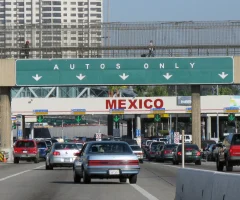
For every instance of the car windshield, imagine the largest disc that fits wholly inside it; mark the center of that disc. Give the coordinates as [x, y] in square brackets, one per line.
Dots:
[148, 142]
[236, 140]
[48, 143]
[136, 148]
[189, 147]
[170, 146]
[163, 139]
[41, 145]
[79, 145]
[64, 146]
[54, 141]
[110, 148]
[25, 144]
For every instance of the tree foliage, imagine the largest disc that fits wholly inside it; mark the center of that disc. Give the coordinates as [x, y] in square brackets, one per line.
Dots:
[225, 91]
[115, 89]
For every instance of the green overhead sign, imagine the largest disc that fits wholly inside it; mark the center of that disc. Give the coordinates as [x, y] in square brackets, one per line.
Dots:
[231, 117]
[40, 118]
[157, 118]
[116, 118]
[125, 71]
[78, 118]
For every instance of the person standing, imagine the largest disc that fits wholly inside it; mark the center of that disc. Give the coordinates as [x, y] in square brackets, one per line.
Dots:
[151, 49]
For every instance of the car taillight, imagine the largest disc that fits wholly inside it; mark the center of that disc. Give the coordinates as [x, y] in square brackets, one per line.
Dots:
[179, 153]
[151, 152]
[198, 153]
[76, 154]
[231, 151]
[56, 153]
[112, 162]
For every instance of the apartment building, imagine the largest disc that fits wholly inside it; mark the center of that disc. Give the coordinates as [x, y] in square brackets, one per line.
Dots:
[50, 23]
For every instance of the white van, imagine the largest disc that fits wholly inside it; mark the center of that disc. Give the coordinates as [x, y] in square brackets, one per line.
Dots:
[187, 138]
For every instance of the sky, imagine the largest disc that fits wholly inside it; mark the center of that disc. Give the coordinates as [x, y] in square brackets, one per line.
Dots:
[171, 10]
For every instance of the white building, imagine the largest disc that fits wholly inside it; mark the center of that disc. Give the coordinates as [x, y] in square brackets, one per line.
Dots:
[64, 23]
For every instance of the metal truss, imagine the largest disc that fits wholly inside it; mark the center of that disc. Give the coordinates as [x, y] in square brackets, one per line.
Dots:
[65, 92]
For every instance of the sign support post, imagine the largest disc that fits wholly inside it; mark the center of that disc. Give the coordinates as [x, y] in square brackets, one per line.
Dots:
[183, 150]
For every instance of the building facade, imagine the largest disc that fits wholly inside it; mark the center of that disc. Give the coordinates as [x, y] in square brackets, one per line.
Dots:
[51, 23]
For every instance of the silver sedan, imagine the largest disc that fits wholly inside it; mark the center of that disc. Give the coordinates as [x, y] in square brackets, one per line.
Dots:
[106, 159]
[61, 155]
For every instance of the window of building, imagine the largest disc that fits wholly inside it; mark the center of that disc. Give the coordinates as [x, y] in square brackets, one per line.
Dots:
[46, 3]
[57, 21]
[73, 9]
[73, 20]
[46, 9]
[56, 2]
[21, 15]
[46, 14]
[56, 14]
[56, 8]
[65, 14]
[73, 15]
[73, 3]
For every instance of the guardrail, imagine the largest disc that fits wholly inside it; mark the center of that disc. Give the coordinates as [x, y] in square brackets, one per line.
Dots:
[206, 185]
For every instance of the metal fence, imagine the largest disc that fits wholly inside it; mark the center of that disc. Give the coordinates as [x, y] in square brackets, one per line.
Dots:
[211, 38]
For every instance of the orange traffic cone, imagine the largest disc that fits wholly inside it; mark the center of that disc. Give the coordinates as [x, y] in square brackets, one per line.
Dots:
[4, 160]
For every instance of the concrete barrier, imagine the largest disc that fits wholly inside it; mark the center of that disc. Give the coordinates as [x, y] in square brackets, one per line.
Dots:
[206, 185]
[194, 184]
[226, 186]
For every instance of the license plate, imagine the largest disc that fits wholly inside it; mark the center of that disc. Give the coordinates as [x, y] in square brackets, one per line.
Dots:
[24, 151]
[188, 153]
[67, 160]
[114, 172]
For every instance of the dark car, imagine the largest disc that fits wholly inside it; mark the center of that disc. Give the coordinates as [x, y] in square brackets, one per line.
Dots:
[192, 154]
[153, 149]
[42, 149]
[166, 153]
[49, 143]
[229, 154]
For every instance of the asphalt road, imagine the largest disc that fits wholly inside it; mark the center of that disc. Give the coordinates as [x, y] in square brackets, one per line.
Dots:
[29, 181]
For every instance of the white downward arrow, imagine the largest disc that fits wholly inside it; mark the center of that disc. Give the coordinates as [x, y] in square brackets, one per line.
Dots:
[223, 75]
[124, 76]
[80, 77]
[37, 78]
[167, 76]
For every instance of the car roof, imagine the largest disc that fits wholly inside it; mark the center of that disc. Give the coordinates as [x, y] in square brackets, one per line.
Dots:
[134, 145]
[26, 140]
[64, 143]
[106, 142]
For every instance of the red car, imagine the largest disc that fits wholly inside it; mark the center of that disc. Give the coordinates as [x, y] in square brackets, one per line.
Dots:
[26, 150]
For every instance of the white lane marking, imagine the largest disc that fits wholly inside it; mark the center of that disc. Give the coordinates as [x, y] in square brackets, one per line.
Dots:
[17, 174]
[144, 192]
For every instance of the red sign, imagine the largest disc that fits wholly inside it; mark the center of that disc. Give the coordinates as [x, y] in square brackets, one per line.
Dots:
[134, 103]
